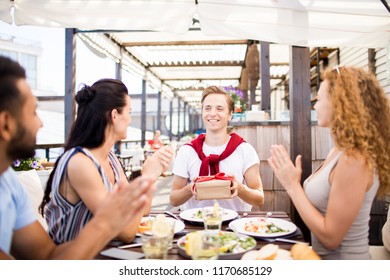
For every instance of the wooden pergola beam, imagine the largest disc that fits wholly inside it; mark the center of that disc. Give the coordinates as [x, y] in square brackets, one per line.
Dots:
[185, 43]
[199, 79]
[201, 64]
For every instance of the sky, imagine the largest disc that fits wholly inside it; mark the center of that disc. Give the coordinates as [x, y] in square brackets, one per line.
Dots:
[89, 67]
[51, 72]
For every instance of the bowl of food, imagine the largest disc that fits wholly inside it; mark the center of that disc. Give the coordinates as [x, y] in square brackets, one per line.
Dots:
[231, 245]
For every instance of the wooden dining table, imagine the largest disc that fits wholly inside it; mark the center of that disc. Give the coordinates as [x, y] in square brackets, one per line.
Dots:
[173, 254]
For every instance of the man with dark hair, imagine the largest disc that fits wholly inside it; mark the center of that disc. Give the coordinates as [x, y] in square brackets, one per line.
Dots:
[21, 235]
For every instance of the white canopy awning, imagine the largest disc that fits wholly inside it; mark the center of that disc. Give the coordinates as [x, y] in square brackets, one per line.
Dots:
[315, 23]
[186, 45]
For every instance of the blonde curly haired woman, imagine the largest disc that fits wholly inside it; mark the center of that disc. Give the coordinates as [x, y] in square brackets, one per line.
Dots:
[336, 200]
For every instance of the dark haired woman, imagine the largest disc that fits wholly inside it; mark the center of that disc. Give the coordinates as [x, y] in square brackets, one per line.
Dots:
[89, 169]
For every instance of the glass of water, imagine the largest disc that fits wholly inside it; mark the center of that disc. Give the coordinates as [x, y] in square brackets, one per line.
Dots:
[212, 219]
[154, 247]
[172, 224]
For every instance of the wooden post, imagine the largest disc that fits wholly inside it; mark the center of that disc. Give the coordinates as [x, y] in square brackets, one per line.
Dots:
[371, 61]
[300, 118]
[265, 77]
[252, 63]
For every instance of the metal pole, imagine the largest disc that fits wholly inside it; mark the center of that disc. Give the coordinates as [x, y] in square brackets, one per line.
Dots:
[170, 118]
[185, 113]
[159, 110]
[118, 76]
[70, 80]
[178, 116]
[143, 113]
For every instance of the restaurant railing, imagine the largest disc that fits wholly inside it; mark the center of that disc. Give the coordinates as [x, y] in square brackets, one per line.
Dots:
[52, 151]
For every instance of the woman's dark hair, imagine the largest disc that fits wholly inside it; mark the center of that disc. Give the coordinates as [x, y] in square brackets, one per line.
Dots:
[95, 104]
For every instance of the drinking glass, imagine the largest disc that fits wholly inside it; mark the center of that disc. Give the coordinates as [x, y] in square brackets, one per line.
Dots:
[212, 219]
[207, 249]
[154, 247]
[172, 223]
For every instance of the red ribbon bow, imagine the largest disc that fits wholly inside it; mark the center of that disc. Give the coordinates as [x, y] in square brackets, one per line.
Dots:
[218, 176]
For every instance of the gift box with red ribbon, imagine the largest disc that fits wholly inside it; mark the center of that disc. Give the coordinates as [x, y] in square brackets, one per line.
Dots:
[213, 187]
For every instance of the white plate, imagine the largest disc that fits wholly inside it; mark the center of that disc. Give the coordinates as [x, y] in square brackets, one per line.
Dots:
[222, 256]
[239, 226]
[179, 225]
[281, 254]
[190, 215]
[251, 255]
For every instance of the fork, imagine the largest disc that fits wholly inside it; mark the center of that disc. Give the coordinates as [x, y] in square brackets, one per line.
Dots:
[272, 240]
[172, 215]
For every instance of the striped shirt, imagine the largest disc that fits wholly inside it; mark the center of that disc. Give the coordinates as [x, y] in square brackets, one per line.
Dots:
[64, 219]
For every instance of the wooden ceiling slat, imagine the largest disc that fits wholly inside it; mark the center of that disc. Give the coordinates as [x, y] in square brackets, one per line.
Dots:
[184, 43]
[199, 63]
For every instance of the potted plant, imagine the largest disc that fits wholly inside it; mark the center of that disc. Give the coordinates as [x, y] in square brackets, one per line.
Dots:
[32, 175]
[27, 164]
[239, 103]
[238, 97]
[34, 163]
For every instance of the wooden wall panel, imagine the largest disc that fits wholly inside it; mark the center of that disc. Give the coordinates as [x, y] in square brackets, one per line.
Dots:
[266, 175]
[261, 137]
[282, 201]
[269, 201]
[283, 136]
[266, 137]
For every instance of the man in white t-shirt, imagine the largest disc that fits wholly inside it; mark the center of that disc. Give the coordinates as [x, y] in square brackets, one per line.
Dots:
[217, 151]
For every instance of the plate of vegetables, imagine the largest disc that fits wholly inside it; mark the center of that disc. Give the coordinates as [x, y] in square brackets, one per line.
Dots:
[231, 245]
[261, 227]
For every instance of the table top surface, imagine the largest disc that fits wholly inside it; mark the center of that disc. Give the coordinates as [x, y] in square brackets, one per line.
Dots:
[173, 254]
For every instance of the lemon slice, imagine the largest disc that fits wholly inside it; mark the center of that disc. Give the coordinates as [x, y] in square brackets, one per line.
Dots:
[193, 240]
[161, 227]
[216, 209]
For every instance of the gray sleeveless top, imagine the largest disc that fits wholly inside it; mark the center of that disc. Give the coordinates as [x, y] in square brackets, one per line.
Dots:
[355, 242]
[64, 219]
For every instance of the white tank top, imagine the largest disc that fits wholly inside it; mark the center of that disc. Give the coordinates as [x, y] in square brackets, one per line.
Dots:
[355, 242]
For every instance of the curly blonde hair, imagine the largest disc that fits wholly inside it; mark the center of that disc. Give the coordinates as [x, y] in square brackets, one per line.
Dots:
[361, 119]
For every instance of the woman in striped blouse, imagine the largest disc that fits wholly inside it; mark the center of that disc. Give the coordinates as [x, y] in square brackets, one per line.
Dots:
[88, 168]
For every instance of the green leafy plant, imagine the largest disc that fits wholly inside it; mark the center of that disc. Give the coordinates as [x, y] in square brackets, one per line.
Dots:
[27, 164]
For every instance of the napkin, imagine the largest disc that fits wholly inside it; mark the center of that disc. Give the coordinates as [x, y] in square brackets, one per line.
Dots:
[213, 187]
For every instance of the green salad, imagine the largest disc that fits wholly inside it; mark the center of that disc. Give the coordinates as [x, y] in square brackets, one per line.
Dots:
[197, 214]
[272, 228]
[230, 242]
